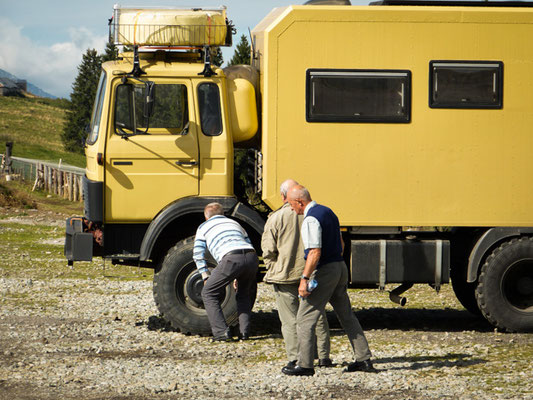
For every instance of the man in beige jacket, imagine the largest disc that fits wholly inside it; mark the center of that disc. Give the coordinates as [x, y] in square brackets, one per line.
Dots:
[283, 255]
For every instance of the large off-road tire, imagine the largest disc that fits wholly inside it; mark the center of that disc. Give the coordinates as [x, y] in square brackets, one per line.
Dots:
[505, 290]
[177, 292]
[464, 291]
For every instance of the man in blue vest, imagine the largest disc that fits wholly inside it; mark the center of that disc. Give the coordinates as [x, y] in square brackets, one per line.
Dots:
[323, 254]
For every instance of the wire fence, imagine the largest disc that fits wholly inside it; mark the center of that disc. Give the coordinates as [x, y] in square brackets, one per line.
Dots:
[56, 178]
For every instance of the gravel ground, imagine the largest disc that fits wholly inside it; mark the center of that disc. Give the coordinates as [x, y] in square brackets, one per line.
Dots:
[99, 336]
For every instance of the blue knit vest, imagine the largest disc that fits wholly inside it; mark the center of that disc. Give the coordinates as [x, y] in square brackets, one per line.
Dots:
[331, 244]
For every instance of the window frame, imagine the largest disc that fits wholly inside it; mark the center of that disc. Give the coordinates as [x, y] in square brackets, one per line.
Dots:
[404, 119]
[208, 83]
[464, 105]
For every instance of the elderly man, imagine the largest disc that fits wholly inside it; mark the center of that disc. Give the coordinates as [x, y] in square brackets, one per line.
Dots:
[323, 253]
[283, 255]
[229, 244]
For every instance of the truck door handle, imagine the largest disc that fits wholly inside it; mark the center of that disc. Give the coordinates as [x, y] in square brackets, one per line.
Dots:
[187, 163]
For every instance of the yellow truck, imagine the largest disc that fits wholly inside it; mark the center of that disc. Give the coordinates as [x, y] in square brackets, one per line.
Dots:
[412, 120]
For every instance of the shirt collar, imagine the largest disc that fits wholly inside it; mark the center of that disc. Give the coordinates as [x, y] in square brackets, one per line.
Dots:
[308, 207]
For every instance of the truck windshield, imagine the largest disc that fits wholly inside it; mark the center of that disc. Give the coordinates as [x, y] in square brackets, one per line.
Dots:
[170, 115]
[97, 111]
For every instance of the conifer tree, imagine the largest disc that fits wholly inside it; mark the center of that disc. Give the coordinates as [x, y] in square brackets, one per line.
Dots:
[82, 97]
[242, 53]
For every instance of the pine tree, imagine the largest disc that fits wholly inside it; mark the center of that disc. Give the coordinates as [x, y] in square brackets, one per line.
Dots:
[82, 97]
[216, 57]
[242, 53]
[111, 52]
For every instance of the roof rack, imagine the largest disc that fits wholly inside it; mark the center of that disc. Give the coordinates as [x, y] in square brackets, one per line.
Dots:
[170, 27]
[452, 3]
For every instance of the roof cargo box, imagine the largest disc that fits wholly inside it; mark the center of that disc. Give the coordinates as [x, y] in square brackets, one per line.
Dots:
[168, 27]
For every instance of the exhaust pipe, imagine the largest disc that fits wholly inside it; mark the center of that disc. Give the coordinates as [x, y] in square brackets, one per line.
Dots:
[394, 295]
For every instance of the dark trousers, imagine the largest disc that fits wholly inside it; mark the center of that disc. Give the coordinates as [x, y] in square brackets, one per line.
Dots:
[242, 267]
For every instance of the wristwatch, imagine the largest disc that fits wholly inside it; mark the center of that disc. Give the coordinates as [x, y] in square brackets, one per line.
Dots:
[305, 277]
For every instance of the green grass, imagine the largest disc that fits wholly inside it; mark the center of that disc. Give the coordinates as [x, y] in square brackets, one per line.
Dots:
[19, 195]
[35, 126]
[28, 255]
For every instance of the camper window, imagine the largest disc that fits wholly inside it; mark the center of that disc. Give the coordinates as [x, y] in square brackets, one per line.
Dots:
[210, 114]
[358, 96]
[466, 84]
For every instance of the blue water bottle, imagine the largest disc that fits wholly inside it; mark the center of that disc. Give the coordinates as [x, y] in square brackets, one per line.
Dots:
[311, 285]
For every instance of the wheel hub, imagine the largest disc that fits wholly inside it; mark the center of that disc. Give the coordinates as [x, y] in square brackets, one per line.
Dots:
[518, 285]
[194, 286]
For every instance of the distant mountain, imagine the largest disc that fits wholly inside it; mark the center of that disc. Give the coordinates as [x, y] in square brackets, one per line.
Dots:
[31, 87]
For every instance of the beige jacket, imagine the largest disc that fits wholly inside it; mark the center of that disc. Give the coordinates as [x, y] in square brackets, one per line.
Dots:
[283, 251]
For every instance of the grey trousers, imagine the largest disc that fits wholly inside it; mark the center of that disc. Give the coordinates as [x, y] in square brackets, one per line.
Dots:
[287, 303]
[242, 267]
[332, 281]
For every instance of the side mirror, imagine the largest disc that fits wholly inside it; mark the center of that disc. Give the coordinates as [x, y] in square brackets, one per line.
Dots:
[149, 100]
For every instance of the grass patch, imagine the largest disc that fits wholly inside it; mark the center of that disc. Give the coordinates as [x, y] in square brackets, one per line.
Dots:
[19, 195]
[35, 126]
[26, 255]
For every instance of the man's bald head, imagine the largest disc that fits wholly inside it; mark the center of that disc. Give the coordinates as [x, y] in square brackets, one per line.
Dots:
[298, 197]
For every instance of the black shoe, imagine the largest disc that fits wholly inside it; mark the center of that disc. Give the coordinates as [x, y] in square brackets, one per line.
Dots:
[298, 371]
[325, 363]
[225, 337]
[363, 366]
[244, 336]
[291, 364]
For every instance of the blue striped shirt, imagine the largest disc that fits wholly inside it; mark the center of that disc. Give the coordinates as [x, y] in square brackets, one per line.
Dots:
[219, 235]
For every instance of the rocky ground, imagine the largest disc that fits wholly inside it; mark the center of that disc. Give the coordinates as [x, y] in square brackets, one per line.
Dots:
[93, 332]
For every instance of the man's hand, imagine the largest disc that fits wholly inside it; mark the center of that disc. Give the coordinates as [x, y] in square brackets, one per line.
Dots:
[310, 265]
[302, 289]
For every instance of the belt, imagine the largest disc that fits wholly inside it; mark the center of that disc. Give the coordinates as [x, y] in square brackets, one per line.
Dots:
[239, 251]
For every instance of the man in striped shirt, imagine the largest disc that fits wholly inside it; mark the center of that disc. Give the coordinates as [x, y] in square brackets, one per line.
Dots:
[232, 249]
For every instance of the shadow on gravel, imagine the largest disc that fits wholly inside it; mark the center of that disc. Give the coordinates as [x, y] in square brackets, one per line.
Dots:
[428, 320]
[425, 320]
[419, 362]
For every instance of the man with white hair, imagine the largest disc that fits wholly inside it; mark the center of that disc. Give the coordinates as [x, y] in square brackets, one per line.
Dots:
[231, 247]
[283, 255]
[323, 246]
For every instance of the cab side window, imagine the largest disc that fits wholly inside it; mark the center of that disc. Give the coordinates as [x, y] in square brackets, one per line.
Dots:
[170, 115]
[210, 112]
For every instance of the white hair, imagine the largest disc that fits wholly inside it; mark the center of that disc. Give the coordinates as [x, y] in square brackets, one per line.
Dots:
[286, 185]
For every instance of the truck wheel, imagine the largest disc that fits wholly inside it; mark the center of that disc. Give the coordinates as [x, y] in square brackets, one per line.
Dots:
[505, 289]
[464, 291]
[177, 292]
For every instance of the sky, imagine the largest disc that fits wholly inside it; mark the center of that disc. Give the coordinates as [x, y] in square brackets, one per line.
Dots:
[43, 41]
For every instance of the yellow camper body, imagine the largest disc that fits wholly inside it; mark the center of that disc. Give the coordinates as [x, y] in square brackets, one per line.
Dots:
[446, 166]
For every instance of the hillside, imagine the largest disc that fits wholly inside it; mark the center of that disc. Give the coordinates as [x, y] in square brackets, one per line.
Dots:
[34, 125]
